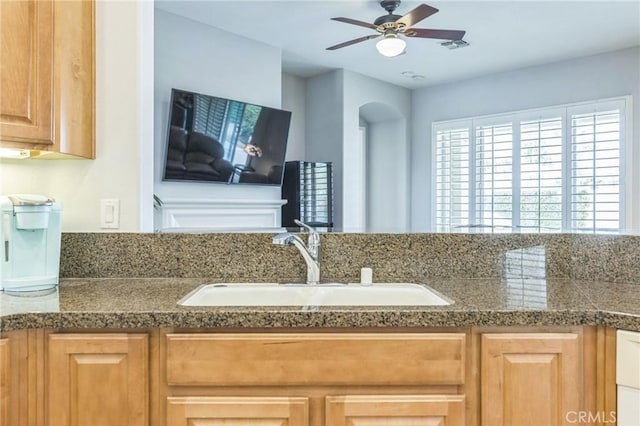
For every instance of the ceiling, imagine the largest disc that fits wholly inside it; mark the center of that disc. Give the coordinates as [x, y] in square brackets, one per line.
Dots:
[503, 35]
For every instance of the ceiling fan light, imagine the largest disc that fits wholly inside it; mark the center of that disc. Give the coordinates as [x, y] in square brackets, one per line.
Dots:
[391, 46]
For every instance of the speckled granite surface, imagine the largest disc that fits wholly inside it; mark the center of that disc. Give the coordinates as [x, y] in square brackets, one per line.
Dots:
[135, 280]
[394, 257]
[152, 302]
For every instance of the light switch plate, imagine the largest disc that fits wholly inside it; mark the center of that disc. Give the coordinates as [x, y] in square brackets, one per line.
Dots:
[110, 213]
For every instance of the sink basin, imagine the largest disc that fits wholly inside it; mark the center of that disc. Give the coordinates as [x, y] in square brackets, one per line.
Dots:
[272, 294]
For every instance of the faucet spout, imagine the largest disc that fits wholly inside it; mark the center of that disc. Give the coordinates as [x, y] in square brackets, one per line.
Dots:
[313, 266]
[310, 252]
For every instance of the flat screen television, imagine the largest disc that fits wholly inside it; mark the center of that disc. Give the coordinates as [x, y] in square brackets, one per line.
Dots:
[212, 139]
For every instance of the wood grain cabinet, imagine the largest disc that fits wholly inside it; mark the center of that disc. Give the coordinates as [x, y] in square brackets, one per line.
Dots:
[47, 76]
[530, 379]
[314, 379]
[4, 382]
[97, 380]
[395, 410]
[238, 411]
[162, 377]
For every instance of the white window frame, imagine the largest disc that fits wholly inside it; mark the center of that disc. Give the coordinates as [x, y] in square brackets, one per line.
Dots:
[565, 111]
[454, 125]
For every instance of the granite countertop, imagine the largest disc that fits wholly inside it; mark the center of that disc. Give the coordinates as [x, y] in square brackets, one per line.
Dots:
[152, 302]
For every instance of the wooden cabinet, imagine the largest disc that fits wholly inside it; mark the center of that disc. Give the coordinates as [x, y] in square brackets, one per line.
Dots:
[238, 411]
[395, 410]
[4, 382]
[47, 76]
[26, 76]
[282, 359]
[314, 379]
[530, 379]
[453, 377]
[97, 380]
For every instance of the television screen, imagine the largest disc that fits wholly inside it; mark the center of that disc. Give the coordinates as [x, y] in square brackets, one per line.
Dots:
[220, 140]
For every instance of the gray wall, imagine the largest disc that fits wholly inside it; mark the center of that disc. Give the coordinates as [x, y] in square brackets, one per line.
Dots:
[376, 96]
[196, 57]
[387, 170]
[333, 104]
[293, 99]
[324, 106]
[594, 77]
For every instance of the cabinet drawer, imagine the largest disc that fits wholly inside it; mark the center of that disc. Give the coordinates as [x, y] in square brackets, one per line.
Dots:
[395, 410]
[315, 359]
[243, 410]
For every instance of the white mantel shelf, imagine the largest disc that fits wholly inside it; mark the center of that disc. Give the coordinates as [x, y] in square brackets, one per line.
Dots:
[221, 215]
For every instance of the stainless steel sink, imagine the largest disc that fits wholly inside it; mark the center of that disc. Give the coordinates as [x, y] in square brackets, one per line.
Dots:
[273, 294]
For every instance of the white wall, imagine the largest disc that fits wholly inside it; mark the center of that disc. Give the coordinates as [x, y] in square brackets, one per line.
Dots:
[293, 99]
[594, 77]
[193, 56]
[116, 171]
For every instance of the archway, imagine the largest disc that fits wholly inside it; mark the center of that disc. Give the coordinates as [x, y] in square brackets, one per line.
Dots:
[384, 187]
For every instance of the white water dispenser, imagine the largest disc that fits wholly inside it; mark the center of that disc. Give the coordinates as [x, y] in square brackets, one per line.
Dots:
[30, 235]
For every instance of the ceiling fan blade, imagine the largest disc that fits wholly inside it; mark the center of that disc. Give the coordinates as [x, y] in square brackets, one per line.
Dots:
[441, 34]
[416, 15]
[350, 42]
[355, 22]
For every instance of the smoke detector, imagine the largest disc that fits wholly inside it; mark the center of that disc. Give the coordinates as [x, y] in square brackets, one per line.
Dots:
[413, 76]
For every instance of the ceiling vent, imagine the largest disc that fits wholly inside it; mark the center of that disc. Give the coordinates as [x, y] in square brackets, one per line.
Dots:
[454, 44]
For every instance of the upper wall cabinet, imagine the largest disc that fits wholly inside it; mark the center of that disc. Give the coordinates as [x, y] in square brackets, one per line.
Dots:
[47, 77]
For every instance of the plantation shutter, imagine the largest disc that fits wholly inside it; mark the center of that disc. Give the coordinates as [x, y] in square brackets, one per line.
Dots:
[316, 194]
[494, 176]
[545, 170]
[452, 178]
[541, 174]
[596, 167]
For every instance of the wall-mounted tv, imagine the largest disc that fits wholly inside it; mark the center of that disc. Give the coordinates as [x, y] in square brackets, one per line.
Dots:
[220, 140]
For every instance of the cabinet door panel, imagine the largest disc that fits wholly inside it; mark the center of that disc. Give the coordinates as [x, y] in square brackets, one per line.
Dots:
[98, 380]
[4, 382]
[74, 78]
[26, 46]
[530, 379]
[237, 411]
[395, 410]
[302, 359]
[47, 76]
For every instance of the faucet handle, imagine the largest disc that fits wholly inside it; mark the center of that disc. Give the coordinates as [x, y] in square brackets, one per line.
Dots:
[304, 225]
[313, 242]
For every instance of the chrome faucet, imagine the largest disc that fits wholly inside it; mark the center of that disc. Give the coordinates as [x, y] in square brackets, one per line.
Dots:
[309, 252]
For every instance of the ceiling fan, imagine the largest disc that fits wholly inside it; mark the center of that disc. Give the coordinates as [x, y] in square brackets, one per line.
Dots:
[392, 26]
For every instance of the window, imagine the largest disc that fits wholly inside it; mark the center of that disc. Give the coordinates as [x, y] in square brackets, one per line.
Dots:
[494, 175]
[541, 174]
[316, 196]
[545, 170]
[595, 170]
[452, 181]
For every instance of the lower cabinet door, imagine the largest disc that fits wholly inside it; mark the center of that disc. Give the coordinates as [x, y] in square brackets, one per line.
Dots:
[530, 379]
[97, 380]
[237, 411]
[4, 382]
[395, 410]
